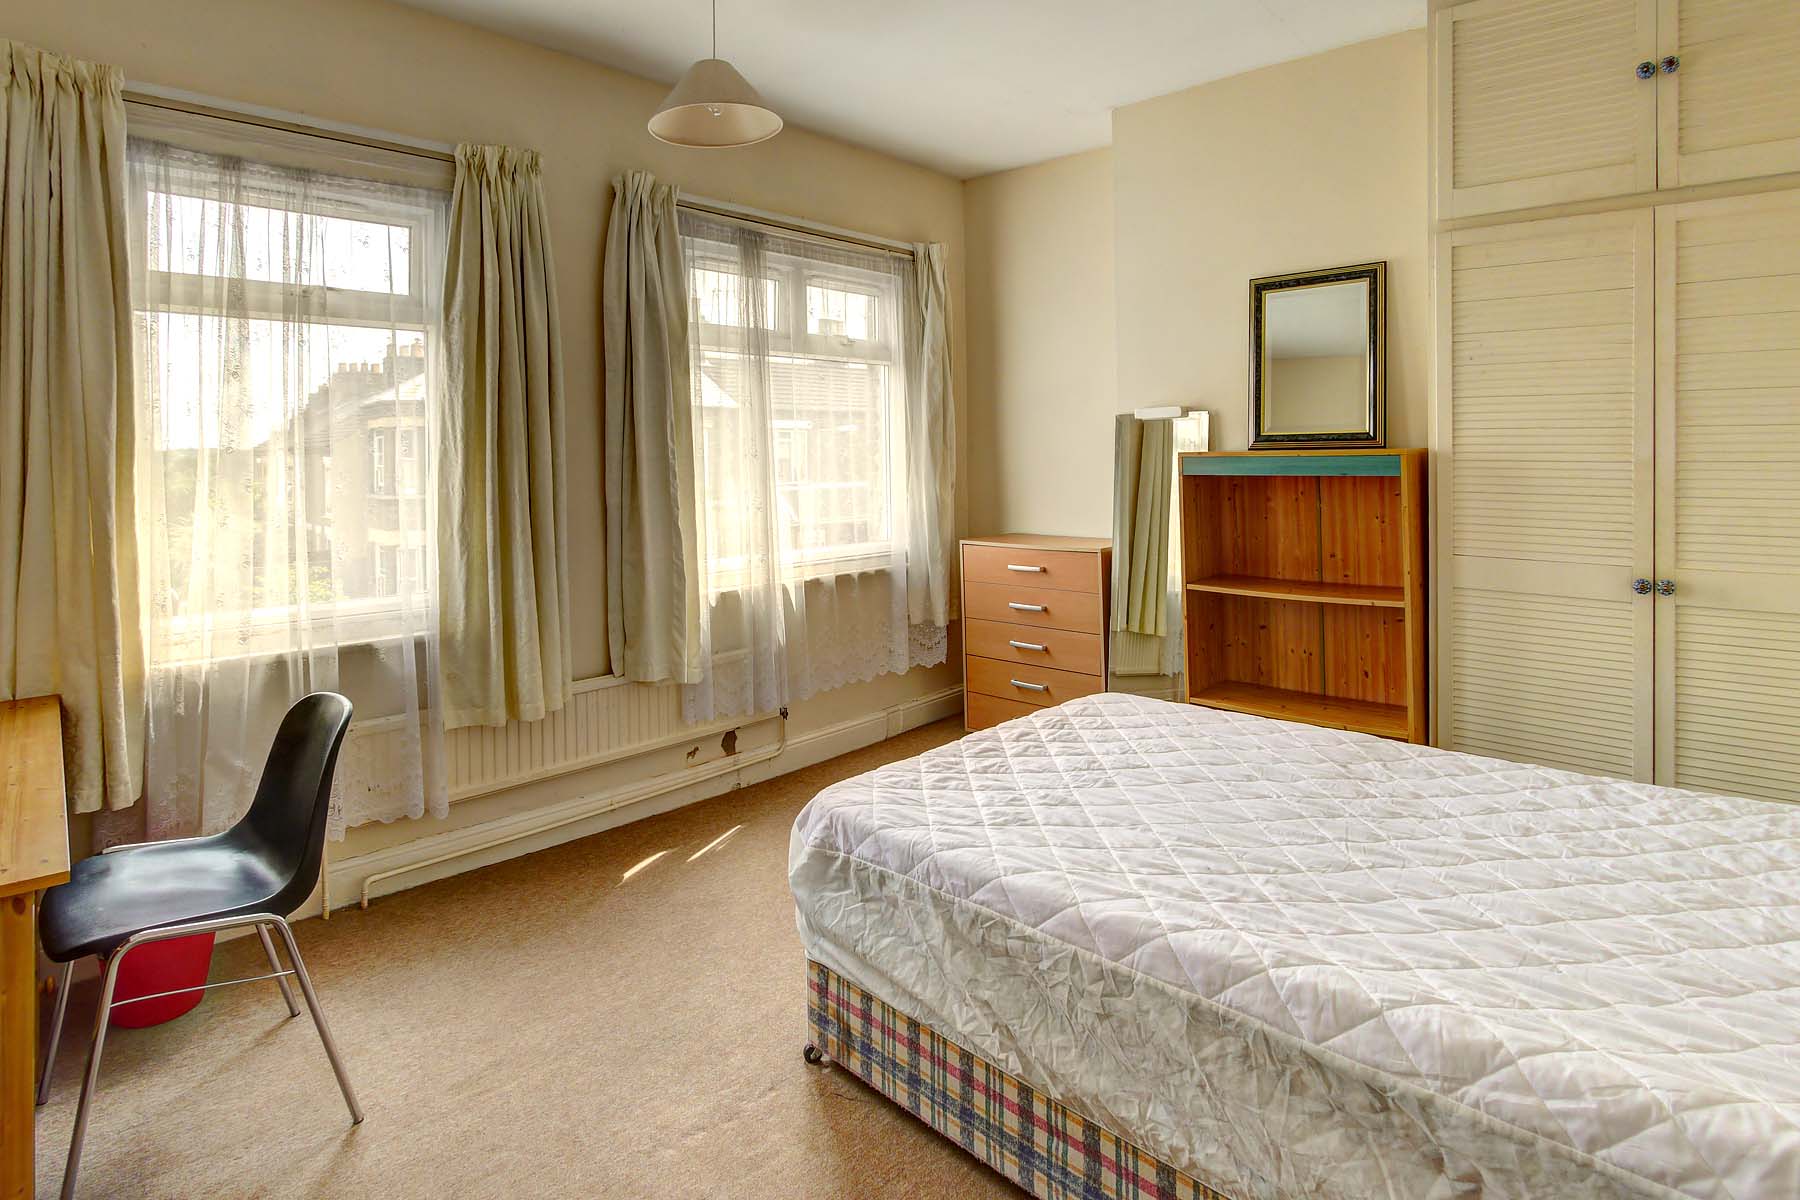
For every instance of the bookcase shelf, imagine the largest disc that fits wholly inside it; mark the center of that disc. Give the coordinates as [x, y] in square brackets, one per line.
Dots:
[1305, 587]
[1302, 589]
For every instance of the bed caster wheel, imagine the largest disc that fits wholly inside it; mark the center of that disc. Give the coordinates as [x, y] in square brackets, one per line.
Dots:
[814, 1056]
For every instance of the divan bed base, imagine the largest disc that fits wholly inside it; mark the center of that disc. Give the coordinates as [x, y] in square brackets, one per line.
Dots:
[1050, 1151]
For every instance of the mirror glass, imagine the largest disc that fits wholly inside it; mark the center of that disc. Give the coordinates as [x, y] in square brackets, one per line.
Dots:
[1316, 359]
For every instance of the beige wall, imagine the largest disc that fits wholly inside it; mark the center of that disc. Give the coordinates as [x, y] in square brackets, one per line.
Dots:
[1041, 367]
[383, 66]
[1319, 162]
[1307, 164]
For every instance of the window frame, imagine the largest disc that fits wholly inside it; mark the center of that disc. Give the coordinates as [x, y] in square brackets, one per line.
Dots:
[790, 336]
[355, 620]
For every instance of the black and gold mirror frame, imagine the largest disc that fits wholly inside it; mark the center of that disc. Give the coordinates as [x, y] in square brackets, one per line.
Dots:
[1318, 359]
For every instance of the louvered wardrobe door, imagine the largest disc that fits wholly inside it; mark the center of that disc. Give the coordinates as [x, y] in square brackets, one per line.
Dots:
[1728, 495]
[1539, 103]
[1731, 109]
[1545, 492]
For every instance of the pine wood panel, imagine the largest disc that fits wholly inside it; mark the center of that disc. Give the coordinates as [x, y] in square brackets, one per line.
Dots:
[1728, 495]
[1545, 488]
[1537, 103]
[1361, 716]
[1306, 594]
[1732, 111]
[34, 854]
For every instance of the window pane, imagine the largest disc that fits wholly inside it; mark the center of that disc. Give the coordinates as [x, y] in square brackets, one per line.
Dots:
[190, 236]
[298, 450]
[719, 299]
[839, 312]
[831, 433]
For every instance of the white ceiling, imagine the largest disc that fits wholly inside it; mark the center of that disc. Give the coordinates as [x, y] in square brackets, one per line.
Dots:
[964, 86]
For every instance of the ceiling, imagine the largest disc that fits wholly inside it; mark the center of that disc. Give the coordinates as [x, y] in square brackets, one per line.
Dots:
[963, 86]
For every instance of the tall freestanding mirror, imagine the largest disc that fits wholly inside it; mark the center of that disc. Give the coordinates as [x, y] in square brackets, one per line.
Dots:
[1145, 653]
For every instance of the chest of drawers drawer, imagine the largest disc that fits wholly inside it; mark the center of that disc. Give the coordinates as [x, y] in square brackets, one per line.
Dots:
[1043, 608]
[1064, 570]
[1062, 649]
[1029, 685]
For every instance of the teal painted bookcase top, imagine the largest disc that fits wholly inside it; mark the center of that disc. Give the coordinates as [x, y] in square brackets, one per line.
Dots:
[1265, 462]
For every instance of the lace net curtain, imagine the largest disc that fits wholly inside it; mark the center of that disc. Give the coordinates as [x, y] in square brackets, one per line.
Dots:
[287, 341]
[800, 435]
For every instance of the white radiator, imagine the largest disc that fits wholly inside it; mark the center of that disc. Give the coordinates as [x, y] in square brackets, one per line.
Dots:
[604, 719]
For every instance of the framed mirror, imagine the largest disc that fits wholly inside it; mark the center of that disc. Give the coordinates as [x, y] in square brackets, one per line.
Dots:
[1318, 359]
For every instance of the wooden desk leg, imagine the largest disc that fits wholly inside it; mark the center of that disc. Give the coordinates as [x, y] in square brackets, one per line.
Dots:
[18, 1046]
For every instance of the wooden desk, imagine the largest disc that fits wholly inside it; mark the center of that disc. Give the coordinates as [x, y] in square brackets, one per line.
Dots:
[34, 855]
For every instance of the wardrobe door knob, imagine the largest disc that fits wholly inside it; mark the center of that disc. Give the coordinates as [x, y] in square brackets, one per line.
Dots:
[1671, 64]
[1646, 70]
[1641, 586]
[1665, 587]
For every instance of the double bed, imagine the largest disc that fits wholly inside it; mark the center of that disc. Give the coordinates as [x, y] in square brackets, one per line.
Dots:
[1123, 947]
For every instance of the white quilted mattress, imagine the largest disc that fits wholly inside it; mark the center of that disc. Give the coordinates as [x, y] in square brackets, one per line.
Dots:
[1304, 963]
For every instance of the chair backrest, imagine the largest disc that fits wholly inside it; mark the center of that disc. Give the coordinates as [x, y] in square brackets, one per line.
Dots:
[285, 826]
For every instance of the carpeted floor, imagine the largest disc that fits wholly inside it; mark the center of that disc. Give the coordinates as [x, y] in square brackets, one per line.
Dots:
[543, 1027]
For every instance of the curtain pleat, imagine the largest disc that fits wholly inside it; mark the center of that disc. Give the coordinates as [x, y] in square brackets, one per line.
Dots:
[931, 442]
[69, 606]
[652, 557]
[502, 508]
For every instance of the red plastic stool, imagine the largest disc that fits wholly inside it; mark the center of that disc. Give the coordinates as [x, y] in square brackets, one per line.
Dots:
[161, 967]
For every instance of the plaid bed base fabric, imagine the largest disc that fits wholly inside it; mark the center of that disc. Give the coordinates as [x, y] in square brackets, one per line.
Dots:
[1043, 1147]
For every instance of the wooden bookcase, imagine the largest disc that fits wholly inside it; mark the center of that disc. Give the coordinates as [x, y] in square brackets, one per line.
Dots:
[1305, 587]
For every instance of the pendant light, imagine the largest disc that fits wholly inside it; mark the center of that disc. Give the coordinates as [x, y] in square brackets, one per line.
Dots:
[713, 107]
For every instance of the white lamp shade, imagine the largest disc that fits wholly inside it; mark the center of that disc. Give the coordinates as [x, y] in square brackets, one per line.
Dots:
[713, 106]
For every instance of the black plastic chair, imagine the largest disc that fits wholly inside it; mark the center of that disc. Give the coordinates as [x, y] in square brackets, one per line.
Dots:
[255, 873]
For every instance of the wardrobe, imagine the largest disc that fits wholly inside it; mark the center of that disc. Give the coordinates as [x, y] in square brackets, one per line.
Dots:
[1617, 258]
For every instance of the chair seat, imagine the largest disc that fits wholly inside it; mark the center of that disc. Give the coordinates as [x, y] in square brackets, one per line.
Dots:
[109, 897]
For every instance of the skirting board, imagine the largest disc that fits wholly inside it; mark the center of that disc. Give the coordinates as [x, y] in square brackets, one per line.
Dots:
[599, 811]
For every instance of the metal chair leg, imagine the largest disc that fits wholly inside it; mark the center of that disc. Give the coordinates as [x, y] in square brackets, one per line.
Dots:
[56, 1024]
[318, 1016]
[90, 1081]
[287, 993]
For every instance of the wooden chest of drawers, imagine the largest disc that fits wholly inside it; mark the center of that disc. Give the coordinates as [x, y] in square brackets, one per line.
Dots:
[1034, 623]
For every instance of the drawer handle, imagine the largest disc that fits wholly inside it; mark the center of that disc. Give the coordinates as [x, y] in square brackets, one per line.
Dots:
[1027, 646]
[1025, 567]
[1017, 607]
[1031, 687]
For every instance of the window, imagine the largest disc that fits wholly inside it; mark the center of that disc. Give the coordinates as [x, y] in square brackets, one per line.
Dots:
[809, 361]
[286, 329]
[377, 462]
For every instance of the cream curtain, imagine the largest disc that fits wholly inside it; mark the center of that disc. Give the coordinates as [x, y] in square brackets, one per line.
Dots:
[502, 506]
[69, 614]
[1142, 479]
[931, 441]
[652, 561]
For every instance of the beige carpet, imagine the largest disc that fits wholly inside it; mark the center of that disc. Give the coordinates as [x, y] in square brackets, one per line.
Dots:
[537, 1028]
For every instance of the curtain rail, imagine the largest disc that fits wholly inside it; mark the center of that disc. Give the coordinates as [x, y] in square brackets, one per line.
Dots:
[174, 100]
[794, 225]
[268, 118]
